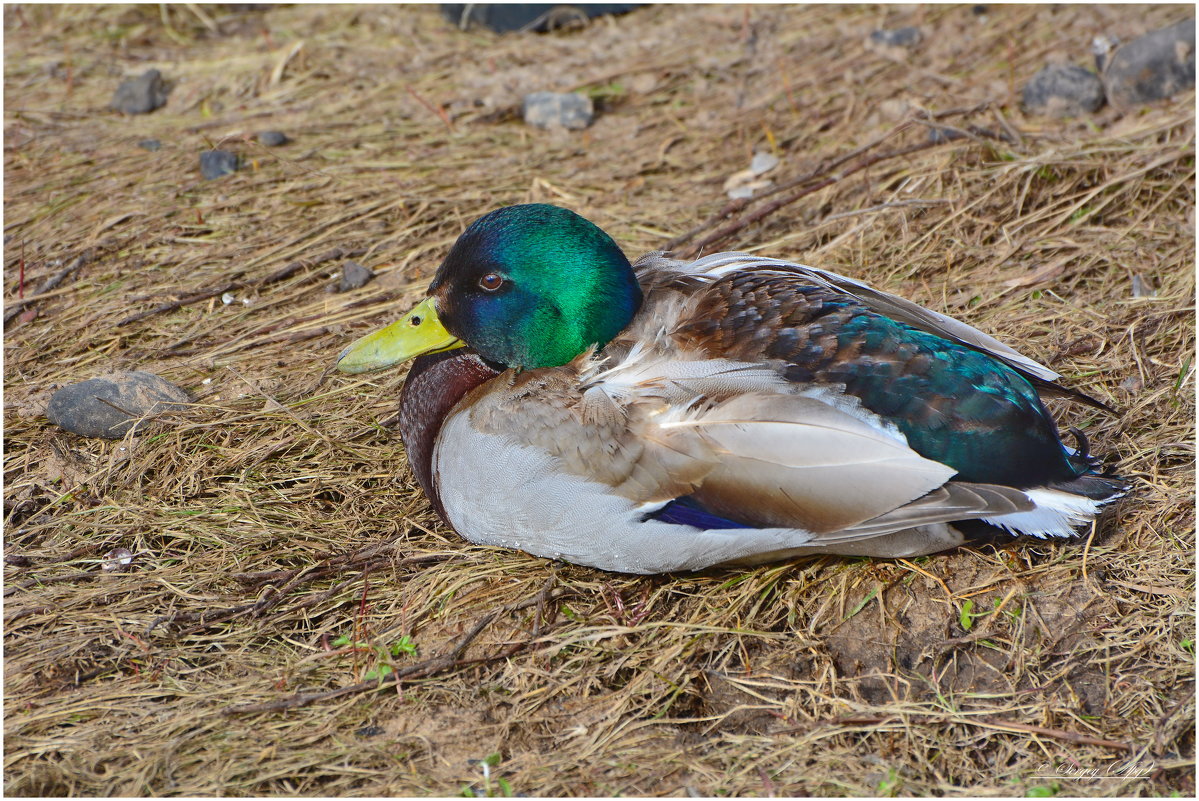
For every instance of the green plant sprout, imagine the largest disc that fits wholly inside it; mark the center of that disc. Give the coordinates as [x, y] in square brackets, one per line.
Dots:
[404, 645]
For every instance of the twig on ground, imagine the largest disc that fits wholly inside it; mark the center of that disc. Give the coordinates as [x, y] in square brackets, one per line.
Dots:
[279, 275]
[34, 582]
[993, 723]
[371, 556]
[449, 660]
[438, 110]
[26, 612]
[737, 205]
[50, 283]
[770, 208]
[1057, 734]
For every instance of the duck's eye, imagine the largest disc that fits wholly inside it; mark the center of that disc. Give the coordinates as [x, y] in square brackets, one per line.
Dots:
[491, 282]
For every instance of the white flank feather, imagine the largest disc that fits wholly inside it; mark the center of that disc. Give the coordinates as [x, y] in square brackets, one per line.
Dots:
[647, 372]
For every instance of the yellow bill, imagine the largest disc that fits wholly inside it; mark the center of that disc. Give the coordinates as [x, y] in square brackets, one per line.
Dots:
[417, 332]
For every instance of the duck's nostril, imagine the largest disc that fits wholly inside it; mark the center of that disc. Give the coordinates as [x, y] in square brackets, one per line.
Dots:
[415, 321]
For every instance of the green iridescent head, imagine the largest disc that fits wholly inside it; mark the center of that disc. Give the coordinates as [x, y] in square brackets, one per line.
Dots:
[534, 286]
[525, 286]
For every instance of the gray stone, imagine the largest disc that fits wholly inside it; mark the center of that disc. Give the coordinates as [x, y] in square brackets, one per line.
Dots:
[1063, 90]
[528, 16]
[141, 95]
[110, 405]
[273, 138]
[1152, 67]
[215, 163]
[354, 276]
[900, 37]
[552, 109]
[763, 162]
[150, 144]
[939, 136]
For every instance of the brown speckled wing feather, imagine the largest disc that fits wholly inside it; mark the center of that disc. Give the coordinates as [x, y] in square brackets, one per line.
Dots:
[656, 269]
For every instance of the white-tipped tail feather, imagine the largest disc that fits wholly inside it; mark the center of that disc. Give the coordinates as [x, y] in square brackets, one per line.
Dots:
[1057, 514]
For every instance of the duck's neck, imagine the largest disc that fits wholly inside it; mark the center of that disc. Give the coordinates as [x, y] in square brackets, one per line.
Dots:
[434, 385]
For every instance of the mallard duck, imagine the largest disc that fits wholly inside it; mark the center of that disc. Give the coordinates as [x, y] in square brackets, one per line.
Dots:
[664, 416]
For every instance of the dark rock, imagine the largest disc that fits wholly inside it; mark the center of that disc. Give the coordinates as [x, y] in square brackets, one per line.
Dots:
[150, 144]
[1152, 67]
[900, 37]
[1063, 90]
[142, 94]
[110, 405]
[215, 163]
[550, 109]
[538, 17]
[369, 731]
[353, 276]
[979, 9]
[273, 138]
[939, 136]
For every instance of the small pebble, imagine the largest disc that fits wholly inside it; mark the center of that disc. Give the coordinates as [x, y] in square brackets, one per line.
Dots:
[894, 108]
[1132, 384]
[763, 162]
[1152, 67]
[217, 163]
[369, 731]
[116, 559]
[909, 36]
[1063, 90]
[1101, 48]
[553, 109]
[140, 95]
[354, 276]
[272, 138]
[110, 405]
[744, 184]
[228, 298]
[150, 144]
[1141, 288]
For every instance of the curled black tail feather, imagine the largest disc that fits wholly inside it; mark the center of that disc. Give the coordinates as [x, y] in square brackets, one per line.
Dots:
[1102, 487]
[1081, 459]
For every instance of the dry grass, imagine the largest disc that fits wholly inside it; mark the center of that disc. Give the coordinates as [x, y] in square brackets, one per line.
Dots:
[277, 516]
